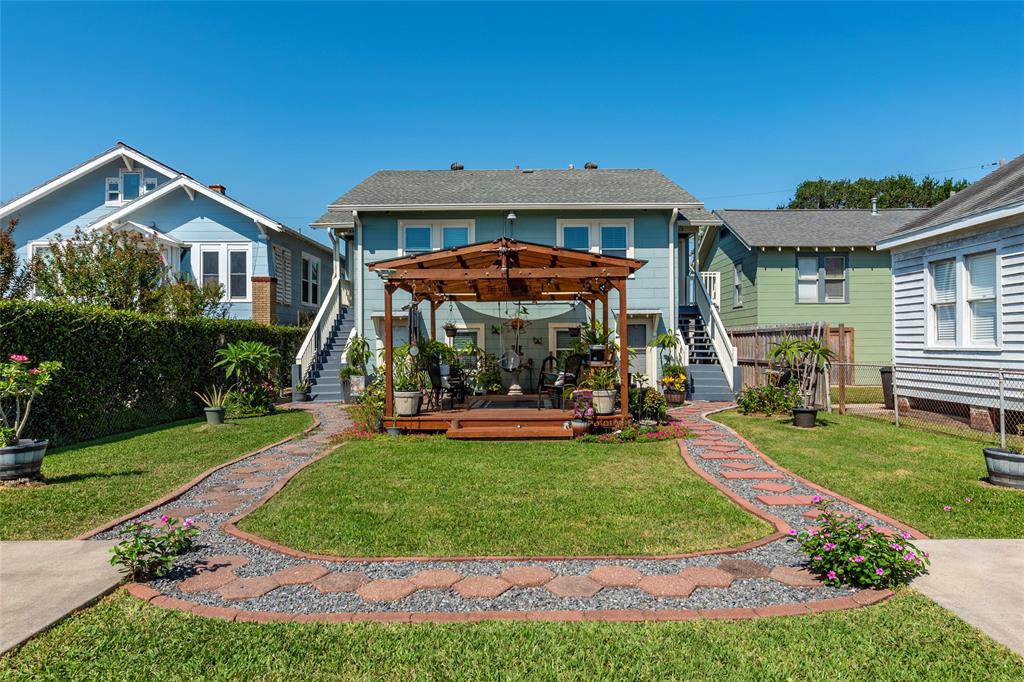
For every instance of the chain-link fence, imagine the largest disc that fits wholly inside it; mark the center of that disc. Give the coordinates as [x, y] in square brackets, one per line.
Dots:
[970, 402]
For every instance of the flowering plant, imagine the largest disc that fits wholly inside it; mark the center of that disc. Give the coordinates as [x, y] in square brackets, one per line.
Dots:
[583, 405]
[149, 551]
[851, 551]
[20, 383]
[673, 377]
[638, 434]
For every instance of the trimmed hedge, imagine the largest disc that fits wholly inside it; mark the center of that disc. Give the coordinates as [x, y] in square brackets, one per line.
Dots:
[123, 370]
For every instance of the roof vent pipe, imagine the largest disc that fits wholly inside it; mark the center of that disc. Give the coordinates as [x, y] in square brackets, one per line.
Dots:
[572, 166]
[874, 205]
[456, 166]
[219, 189]
[590, 165]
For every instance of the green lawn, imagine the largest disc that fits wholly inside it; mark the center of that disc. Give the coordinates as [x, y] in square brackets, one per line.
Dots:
[435, 497]
[906, 473]
[906, 638]
[856, 395]
[100, 480]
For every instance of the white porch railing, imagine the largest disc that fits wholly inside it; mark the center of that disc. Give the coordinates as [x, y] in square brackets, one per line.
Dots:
[338, 295]
[712, 281]
[720, 341]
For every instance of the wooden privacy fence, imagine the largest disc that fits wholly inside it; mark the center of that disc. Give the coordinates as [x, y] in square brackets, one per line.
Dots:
[754, 343]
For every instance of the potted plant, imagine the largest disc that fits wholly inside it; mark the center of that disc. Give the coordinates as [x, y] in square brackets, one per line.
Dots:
[407, 382]
[300, 392]
[449, 329]
[583, 412]
[602, 384]
[20, 383]
[595, 340]
[518, 321]
[357, 355]
[673, 383]
[804, 362]
[215, 400]
[1005, 467]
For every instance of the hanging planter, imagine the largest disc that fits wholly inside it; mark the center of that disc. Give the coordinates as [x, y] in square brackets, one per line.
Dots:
[517, 324]
[450, 330]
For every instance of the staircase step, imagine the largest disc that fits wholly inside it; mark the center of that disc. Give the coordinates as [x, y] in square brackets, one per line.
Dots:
[507, 431]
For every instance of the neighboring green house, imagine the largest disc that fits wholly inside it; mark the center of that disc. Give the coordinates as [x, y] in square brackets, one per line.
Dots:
[789, 266]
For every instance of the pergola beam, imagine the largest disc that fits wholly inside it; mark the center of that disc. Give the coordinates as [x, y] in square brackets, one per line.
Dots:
[470, 274]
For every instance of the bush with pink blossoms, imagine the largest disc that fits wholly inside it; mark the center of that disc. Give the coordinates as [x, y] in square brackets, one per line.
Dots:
[149, 551]
[850, 551]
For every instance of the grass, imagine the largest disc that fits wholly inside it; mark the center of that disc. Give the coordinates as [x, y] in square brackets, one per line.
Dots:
[858, 395]
[906, 638]
[435, 497]
[100, 480]
[906, 473]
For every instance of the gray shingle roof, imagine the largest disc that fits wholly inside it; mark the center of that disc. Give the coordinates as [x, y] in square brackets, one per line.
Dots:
[334, 218]
[1002, 187]
[402, 188]
[815, 227]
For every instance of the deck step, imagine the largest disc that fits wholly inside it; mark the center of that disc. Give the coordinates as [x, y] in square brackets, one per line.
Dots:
[507, 431]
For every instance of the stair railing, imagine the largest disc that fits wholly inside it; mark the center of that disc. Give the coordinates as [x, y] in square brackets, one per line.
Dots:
[319, 332]
[720, 341]
[712, 281]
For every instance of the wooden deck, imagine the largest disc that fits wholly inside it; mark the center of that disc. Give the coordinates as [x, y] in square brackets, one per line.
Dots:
[497, 423]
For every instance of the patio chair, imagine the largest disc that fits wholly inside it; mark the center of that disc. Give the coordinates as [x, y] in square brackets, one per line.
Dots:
[438, 390]
[547, 379]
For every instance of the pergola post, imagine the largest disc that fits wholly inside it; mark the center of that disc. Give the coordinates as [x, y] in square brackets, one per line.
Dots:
[623, 353]
[389, 387]
[433, 321]
[604, 322]
[592, 307]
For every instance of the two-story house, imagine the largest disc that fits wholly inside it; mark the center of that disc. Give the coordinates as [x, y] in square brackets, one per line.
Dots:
[632, 213]
[270, 272]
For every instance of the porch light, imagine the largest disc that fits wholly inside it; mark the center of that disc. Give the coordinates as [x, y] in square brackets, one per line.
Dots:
[511, 216]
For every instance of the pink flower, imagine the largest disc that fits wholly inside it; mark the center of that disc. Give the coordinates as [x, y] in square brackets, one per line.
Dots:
[188, 522]
[860, 526]
[817, 558]
[905, 535]
[968, 500]
[895, 545]
[34, 370]
[816, 499]
[829, 546]
[909, 556]
[879, 571]
[857, 559]
[946, 507]
[17, 357]
[792, 531]
[831, 575]
[165, 518]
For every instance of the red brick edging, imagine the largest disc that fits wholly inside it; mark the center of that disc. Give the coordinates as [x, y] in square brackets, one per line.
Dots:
[175, 494]
[862, 598]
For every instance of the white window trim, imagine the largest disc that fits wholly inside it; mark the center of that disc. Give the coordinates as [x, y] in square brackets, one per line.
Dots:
[121, 201]
[651, 358]
[595, 225]
[477, 327]
[436, 231]
[222, 248]
[962, 306]
[319, 284]
[553, 328]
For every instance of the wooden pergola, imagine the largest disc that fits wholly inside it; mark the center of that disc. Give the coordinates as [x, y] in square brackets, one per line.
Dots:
[507, 270]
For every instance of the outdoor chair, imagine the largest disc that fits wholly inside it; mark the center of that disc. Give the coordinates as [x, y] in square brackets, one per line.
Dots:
[438, 389]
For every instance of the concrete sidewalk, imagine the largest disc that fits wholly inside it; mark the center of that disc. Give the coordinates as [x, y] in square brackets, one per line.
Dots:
[41, 582]
[980, 581]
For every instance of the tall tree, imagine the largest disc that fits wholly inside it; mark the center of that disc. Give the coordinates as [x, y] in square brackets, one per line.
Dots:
[16, 277]
[893, 191]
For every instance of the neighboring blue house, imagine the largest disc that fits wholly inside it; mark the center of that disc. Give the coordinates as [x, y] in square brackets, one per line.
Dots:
[270, 272]
[637, 213]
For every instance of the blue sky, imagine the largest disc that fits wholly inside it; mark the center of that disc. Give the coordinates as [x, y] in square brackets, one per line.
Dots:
[291, 104]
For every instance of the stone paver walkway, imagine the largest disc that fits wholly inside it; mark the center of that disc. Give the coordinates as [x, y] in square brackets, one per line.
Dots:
[233, 575]
[43, 581]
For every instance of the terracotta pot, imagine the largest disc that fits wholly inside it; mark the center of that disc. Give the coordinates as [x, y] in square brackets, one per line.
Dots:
[450, 331]
[22, 460]
[579, 427]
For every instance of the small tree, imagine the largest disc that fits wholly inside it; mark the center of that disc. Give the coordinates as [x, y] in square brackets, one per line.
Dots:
[120, 270]
[807, 361]
[183, 298]
[20, 383]
[16, 277]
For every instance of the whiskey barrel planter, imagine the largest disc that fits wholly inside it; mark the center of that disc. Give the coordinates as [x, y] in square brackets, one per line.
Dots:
[22, 460]
[1005, 467]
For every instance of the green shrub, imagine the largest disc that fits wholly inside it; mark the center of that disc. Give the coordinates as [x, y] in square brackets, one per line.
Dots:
[124, 370]
[768, 400]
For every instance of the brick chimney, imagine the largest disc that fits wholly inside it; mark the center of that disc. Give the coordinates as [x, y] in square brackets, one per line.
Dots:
[220, 189]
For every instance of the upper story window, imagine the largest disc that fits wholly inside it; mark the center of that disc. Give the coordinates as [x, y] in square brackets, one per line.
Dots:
[821, 279]
[127, 186]
[608, 237]
[963, 301]
[310, 279]
[423, 236]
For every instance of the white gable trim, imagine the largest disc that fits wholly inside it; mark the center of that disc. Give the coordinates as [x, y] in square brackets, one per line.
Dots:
[192, 188]
[128, 156]
[953, 226]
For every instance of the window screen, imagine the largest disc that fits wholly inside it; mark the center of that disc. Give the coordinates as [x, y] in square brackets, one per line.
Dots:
[614, 240]
[454, 236]
[211, 267]
[944, 301]
[981, 297]
[417, 238]
[576, 237]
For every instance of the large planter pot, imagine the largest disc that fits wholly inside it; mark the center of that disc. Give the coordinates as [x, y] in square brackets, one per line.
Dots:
[886, 374]
[604, 402]
[1005, 468]
[22, 460]
[299, 396]
[673, 397]
[579, 427]
[214, 415]
[407, 403]
[805, 417]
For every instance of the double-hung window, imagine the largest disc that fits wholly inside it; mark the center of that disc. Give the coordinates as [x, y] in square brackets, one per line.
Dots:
[310, 279]
[737, 285]
[981, 297]
[944, 302]
[424, 236]
[228, 265]
[835, 279]
[210, 265]
[807, 279]
[821, 279]
[608, 237]
[238, 273]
